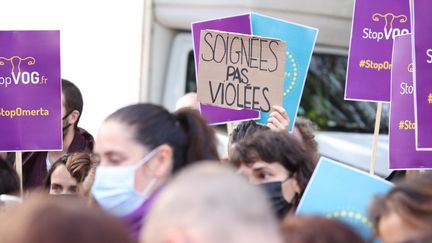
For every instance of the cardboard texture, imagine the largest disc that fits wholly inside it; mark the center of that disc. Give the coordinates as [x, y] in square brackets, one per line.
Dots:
[240, 71]
[237, 24]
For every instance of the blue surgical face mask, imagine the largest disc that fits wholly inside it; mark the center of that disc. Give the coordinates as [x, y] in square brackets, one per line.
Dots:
[114, 187]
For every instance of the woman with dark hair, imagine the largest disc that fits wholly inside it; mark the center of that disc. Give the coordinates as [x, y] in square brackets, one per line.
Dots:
[69, 174]
[139, 147]
[304, 131]
[405, 213]
[277, 162]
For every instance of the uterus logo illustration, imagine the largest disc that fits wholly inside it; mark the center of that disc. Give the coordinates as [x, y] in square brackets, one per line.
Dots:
[15, 75]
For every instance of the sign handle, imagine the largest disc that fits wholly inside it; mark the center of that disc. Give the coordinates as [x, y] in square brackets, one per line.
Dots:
[230, 128]
[376, 134]
[18, 167]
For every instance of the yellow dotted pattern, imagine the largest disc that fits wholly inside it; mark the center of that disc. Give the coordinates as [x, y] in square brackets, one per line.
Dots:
[293, 75]
[351, 215]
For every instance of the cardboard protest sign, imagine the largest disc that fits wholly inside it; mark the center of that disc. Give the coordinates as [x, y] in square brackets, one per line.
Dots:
[374, 26]
[237, 24]
[402, 152]
[30, 91]
[422, 55]
[240, 71]
[341, 192]
[300, 41]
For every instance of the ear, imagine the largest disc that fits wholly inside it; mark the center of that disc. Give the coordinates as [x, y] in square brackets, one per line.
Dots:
[164, 161]
[290, 188]
[73, 117]
[296, 187]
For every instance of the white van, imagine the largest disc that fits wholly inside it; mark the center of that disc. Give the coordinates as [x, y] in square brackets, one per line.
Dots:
[346, 127]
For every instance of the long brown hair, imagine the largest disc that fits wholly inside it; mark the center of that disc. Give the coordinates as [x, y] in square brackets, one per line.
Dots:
[307, 129]
[411, 199]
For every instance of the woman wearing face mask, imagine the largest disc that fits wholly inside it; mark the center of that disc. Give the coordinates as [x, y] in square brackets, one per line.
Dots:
[277, 162]
[139, 147]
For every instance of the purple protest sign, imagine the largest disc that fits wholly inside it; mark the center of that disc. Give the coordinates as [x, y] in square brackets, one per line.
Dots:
[403, 154]
[422, 53]
[30, 92]
[237, 24]
[375, 24]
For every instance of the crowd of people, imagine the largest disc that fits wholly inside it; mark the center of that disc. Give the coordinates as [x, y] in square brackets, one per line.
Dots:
[152, 176]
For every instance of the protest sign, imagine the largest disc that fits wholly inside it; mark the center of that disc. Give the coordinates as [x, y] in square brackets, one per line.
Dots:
[30, 91]
[375, 24]
[402, 152]
[341, 192]
[240, 71]
[237, 24]
[422, 56]
[300, 41]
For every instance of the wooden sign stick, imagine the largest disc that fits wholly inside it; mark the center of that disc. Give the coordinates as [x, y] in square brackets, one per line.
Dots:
[376, 134]
[18, 168]
[230, 128]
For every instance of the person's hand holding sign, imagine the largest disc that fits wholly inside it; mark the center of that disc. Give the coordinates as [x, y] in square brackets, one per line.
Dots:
[278, 120]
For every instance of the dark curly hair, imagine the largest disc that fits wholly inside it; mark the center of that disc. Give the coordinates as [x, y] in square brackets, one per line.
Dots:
[276, 147]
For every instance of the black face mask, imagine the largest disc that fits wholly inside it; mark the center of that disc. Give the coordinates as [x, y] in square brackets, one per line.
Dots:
[274, 192]
[68, 125]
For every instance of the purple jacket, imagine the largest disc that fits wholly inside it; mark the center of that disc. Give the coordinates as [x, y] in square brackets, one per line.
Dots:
[136, 220]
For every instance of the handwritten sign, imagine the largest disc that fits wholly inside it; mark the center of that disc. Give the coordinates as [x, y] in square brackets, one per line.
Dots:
[374, 27]
[30, 92]
[237, 24]
[240, 71]
[422, 54]
[403, 154]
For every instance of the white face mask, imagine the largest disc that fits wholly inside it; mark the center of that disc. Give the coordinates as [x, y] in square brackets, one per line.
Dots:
[114, 187]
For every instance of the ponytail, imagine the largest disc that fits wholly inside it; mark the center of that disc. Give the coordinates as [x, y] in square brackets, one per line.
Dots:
[201, 140]
[184, 131]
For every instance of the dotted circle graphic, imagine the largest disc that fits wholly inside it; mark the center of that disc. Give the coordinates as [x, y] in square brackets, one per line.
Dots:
[351, 215]
[292, 74]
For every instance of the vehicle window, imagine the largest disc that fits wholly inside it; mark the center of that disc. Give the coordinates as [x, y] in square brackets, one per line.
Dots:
[190, 74]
